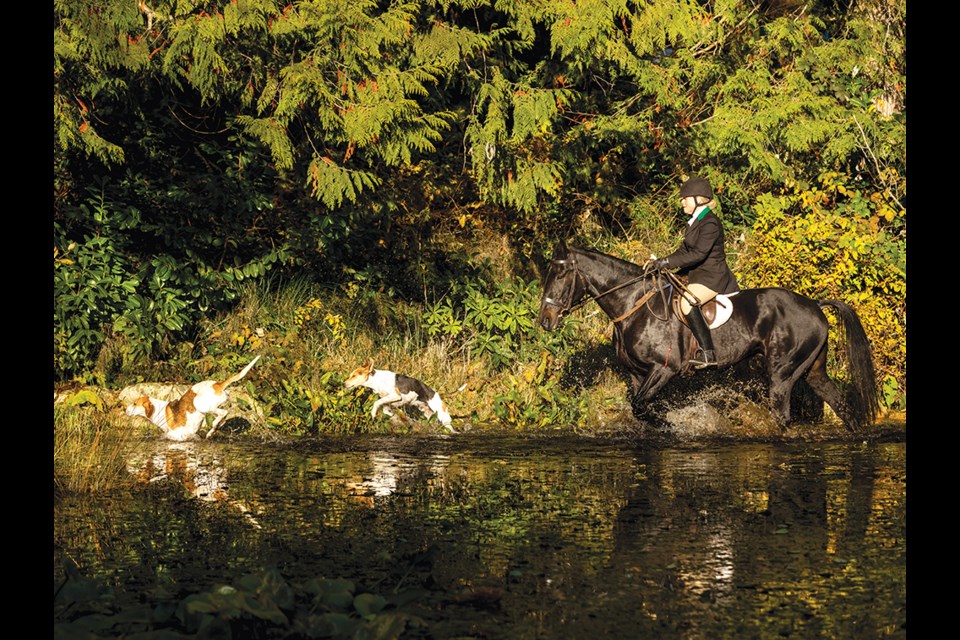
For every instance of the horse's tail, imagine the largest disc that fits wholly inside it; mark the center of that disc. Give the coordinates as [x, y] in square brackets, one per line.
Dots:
[863, 400]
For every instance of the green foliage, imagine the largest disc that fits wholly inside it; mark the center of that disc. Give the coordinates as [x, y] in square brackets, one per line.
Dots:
[499, 328]
[93, 285]
[297, 409]
[107, 290]
[333, 184]
[535, 399]
[259, 603]
[499, 325]
[837, 241]
[340, 91]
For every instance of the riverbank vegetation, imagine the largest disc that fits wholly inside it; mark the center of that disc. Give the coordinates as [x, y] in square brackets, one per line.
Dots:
[89, 445]
[320, 182]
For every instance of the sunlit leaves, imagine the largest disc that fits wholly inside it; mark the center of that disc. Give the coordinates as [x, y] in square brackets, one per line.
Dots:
[834, 241]
[274, 135]
[333, 184]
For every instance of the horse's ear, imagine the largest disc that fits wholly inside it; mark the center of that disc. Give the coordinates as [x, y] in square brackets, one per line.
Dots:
[562, 246]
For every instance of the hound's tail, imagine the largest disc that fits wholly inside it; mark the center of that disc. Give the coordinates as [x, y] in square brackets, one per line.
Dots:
[453, 393]
[240, 375]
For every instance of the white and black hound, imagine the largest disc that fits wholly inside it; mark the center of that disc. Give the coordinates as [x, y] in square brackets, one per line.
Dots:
[397, 390]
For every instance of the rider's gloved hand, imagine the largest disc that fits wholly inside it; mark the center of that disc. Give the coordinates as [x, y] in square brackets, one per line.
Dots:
[661, 263]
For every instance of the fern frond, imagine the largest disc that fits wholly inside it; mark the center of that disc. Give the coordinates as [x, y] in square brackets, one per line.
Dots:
[273, 135]
[332, 184]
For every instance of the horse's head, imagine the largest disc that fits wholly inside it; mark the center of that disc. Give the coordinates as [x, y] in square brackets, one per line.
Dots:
[563, 287]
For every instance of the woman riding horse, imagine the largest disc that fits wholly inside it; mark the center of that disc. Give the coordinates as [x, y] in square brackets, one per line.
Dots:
[788, 331]
[703, 255]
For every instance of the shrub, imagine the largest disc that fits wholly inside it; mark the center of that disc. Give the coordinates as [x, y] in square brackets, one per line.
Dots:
[498, 325]
[836, 241]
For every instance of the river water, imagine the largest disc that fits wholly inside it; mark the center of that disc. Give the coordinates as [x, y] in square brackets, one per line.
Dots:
[521, 537]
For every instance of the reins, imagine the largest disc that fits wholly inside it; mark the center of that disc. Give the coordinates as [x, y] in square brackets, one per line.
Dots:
[674, 281]
[636, 305]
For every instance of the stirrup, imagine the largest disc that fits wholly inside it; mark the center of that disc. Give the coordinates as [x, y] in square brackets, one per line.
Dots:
[709, 359]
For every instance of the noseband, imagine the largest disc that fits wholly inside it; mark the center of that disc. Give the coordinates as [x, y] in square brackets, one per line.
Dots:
[564, 309]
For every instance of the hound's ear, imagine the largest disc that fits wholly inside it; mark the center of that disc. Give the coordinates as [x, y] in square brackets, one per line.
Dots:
[369, 365]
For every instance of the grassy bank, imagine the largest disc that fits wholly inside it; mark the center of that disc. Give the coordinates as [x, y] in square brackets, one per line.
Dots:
[495, 369]
[89, 445]
[482, 352]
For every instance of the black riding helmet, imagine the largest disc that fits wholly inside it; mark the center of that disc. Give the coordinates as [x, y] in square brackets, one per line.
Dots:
[696, 186]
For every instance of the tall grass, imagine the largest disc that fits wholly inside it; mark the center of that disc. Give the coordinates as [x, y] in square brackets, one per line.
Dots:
[310, 339]
[88, 449]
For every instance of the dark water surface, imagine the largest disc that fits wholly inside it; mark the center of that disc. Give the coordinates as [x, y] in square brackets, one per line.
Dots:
[523, 537]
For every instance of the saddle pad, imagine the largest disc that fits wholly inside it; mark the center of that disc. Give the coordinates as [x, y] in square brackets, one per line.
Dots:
[722, 307]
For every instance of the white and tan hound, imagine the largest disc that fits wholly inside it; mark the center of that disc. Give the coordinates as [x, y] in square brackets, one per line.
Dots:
[181, 419]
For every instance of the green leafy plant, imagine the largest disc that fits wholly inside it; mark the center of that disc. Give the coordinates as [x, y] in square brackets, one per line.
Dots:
[535, 399]
[837, 241]
[94, 283]
[890, 394]
[498, 324]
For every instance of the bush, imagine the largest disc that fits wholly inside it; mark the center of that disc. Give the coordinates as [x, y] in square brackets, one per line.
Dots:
[835, 241]
[499, 325]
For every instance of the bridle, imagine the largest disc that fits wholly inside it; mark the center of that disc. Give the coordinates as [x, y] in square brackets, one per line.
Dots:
[566, 309]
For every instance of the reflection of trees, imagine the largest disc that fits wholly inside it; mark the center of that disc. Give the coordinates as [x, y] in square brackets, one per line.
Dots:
[564, 543]
[741, 539]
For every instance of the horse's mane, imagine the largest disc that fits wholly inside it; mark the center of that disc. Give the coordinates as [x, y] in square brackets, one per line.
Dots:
[631, 267]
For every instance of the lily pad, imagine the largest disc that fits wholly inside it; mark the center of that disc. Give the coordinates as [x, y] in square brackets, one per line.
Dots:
[368, 604]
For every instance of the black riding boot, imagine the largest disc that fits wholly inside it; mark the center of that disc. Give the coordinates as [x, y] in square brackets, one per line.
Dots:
[702, 333]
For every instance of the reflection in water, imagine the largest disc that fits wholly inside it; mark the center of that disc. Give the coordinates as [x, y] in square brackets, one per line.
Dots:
[197, 468]
[389, 470]
[709, 569]
[535, 537]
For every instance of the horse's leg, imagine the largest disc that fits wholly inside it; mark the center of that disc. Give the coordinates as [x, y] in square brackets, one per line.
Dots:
[781, 387]
[644, 387]
[654, 381]
[826, 388]
[784, 373]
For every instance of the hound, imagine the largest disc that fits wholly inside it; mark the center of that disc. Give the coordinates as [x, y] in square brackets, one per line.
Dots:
[181, 419]
[397, 390]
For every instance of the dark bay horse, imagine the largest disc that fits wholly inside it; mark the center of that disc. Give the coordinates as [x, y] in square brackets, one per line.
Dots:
[788, 329]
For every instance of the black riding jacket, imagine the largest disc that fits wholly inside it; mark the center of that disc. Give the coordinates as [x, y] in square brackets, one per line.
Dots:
[703, 255]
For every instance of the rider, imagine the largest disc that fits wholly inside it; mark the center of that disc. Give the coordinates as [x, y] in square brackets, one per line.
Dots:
[703, 255]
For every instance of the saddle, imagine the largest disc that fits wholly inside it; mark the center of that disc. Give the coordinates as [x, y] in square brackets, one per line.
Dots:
[715, 312]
